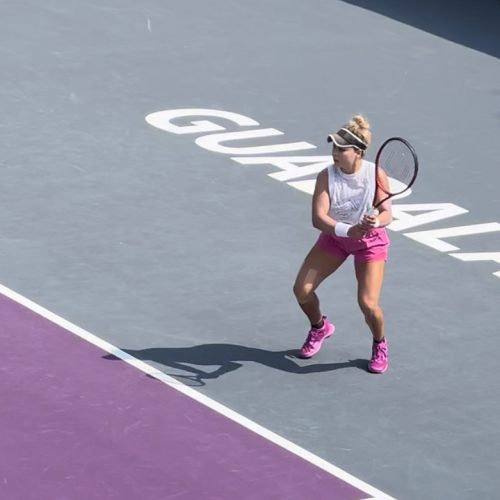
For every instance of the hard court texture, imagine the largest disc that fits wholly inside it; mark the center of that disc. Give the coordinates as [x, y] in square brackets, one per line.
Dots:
[185, 258]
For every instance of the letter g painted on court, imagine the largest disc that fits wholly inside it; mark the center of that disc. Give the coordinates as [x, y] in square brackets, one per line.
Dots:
[163, 120]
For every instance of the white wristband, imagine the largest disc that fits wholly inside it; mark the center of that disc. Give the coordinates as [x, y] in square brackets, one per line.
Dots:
[342, 229]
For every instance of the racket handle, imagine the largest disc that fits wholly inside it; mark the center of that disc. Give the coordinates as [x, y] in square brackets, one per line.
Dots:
[374, 212]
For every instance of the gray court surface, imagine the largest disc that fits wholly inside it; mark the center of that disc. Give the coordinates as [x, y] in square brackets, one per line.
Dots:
[185, 257]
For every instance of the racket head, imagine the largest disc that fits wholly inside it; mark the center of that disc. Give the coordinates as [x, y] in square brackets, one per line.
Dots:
[396, 169]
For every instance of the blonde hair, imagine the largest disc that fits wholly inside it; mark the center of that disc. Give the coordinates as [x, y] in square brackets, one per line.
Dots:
[360, 127]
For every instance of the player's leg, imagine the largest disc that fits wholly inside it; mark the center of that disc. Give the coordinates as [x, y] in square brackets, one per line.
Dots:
[370, 276]
[318, 265]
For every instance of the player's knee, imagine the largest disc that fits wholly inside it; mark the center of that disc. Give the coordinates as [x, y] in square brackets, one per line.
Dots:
[369, 306]
[302, 293]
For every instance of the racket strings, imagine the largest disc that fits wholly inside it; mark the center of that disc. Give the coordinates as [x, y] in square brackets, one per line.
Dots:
[398, 162]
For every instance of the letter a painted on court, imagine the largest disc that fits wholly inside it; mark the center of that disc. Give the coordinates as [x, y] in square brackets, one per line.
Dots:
[432, 213]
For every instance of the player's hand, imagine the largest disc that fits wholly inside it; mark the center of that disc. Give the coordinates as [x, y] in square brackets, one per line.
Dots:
[357, 231]
[369, 222]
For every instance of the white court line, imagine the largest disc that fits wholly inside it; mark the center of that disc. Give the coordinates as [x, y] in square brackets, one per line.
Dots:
[197, 396]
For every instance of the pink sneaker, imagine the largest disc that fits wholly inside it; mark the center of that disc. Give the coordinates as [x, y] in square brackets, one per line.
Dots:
[315, 338]
[380, 357]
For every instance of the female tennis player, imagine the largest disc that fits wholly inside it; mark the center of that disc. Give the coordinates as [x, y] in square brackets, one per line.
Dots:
[341, 209]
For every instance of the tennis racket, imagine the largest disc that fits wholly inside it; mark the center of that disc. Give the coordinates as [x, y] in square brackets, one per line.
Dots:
[396, 169]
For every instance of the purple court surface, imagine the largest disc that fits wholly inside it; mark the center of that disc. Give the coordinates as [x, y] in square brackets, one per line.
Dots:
[79, 424]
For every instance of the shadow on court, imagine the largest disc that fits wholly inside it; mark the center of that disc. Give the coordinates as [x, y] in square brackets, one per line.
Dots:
[228, 358]
[474, 25]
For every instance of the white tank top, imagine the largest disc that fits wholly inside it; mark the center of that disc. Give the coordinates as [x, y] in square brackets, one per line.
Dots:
[351, 195]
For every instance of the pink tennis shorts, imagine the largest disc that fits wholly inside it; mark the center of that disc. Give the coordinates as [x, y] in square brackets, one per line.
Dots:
[373, 247]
